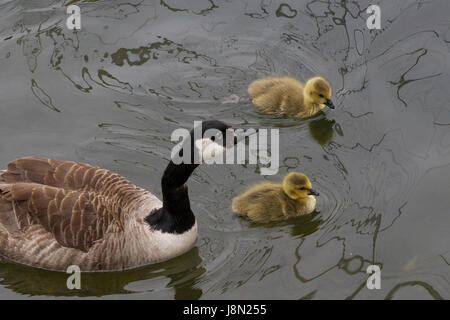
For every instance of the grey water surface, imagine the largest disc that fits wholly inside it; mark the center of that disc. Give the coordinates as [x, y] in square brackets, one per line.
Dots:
[111, 94]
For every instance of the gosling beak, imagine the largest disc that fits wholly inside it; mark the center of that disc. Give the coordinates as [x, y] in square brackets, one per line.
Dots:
[329, 104]
[313, 192]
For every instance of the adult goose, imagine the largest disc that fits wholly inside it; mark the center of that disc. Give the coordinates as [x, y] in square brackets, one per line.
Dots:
[54, 214]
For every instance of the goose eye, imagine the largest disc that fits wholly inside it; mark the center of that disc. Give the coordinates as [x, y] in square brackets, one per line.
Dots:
[321, 95]
[302, 188]
[216, 136]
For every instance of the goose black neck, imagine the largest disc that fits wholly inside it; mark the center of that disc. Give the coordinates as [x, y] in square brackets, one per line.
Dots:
[176, 215]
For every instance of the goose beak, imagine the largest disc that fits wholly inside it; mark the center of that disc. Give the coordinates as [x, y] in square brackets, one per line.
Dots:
[241, 136]
[329, 104]
[313, 192]
[234, 135]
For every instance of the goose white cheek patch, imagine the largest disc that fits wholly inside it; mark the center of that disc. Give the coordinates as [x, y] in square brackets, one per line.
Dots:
[209, 151]
[209, 147]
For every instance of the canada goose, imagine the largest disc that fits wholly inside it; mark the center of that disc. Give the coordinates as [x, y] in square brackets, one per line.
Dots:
[54, 214]
[288, 96]
[268, 201]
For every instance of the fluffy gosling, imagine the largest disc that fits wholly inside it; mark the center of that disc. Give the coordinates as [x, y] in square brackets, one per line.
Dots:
[288, 96]
[267, 201]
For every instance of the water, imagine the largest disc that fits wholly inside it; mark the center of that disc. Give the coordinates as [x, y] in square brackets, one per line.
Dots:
[111, 94]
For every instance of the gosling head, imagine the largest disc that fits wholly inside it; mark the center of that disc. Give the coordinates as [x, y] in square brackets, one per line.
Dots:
[318, 90]
[297, 186]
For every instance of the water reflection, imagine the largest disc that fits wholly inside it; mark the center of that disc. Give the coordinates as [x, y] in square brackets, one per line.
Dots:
[42, 96]
[397, 291]
[31, 47]
[321, 130]
[139, 56]
[300, 226]
[285, 10]
[183, 273]
[139, 69]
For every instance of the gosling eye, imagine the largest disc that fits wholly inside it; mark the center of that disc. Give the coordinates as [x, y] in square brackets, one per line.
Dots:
[321, 95]
[302, 188]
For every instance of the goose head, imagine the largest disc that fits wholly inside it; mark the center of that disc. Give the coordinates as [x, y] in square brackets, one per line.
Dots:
[318, 90]
[214, 139]
[205, 140]
[298, 186]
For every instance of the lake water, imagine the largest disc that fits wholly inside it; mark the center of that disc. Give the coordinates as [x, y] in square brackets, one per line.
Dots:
[112, 93]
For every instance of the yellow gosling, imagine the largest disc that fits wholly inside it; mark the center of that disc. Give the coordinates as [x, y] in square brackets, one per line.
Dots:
[267, 201]
[288, 96]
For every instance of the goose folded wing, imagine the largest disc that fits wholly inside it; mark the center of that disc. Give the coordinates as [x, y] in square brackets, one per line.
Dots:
[63, 174]
[75, 219]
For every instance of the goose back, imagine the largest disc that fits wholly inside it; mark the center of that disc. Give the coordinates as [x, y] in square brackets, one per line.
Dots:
[54, 214]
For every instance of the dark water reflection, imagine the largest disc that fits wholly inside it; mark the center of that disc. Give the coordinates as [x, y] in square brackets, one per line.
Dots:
[111, 94]
[321, 130]
[175, 278]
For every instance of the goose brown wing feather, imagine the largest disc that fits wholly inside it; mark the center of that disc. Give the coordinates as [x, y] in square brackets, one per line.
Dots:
[76, 202]
[75, 219]
[71, 175]
[56, 173]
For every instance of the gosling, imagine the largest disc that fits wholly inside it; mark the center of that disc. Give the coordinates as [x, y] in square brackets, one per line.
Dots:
[267, 201]
[289, 97]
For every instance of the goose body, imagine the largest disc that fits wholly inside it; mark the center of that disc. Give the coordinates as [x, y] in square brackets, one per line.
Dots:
[288, 96]
[268, 201]
[54, 214]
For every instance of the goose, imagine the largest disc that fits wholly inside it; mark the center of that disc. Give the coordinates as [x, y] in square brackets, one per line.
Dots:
[54, 214]
[268, 201]
[287, 96]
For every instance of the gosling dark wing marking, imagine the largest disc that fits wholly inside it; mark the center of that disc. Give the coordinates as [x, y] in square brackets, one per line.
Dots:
[260, 193]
